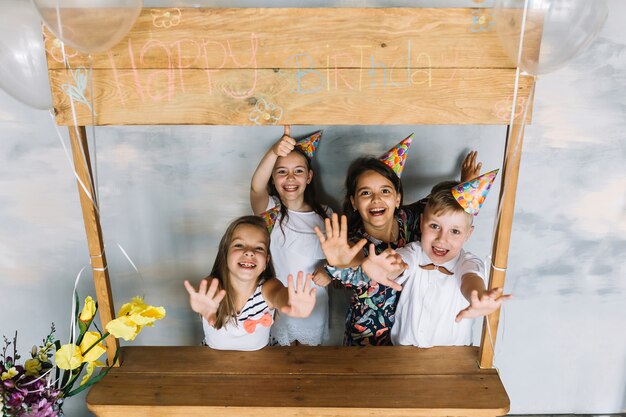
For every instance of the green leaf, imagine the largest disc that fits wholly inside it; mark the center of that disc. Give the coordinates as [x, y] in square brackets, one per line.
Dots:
[94, 379]
[77, 306]
[65, 388]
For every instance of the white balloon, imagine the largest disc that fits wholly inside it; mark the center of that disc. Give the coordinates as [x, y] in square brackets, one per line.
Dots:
[23, 68]
[556, 31]
[89, 26]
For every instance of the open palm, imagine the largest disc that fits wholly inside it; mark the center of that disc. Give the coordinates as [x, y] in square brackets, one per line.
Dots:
[484, 305]
[301, 296]
[335, 244]
[205, 301]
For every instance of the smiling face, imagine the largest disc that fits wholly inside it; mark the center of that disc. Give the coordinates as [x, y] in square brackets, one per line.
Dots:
[290, 177]
[375, 199]
[248, 252]
[444, 234]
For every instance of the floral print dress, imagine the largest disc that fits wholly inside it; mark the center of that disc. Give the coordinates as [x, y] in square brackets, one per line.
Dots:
[372, 308]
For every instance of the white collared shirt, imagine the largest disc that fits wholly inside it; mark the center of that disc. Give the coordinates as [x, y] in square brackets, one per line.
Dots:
[430, 301]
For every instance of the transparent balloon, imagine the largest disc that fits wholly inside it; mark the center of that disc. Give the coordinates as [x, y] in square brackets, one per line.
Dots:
[555, 31]
[89, 26]
[23, 68]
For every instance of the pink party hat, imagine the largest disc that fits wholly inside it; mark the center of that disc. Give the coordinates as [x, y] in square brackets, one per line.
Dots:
[396, 156]
[309, 144]
[270, 217]
[471, 194]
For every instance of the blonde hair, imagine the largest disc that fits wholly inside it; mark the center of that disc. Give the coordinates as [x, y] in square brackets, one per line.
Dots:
[227, 311]
[441, 200]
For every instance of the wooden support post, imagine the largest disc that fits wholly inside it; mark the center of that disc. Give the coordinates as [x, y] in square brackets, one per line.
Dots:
[515, 139]
[91, 217]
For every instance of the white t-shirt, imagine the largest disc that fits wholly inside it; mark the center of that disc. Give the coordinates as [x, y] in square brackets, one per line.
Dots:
[252, 331]
[430, 301]
[295, 247]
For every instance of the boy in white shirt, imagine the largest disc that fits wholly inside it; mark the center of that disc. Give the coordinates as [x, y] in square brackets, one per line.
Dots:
[441, 283]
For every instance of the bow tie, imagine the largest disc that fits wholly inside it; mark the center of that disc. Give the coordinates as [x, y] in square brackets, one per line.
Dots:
[441, 269]
[250, 324]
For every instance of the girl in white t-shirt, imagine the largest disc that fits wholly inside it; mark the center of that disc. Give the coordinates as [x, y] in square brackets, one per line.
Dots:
[237, 308]
[282, 191]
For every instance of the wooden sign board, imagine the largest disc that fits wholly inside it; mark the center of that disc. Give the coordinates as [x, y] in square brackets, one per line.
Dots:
[293, 66]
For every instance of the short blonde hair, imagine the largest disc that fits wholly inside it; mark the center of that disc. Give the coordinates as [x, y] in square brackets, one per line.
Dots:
[441, 200]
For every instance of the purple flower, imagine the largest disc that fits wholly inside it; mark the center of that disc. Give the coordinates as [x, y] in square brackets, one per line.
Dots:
[15, 399]
[42, 408]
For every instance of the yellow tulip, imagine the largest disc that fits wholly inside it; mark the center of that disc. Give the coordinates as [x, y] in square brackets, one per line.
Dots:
[68, 357]
[89, 340]
[123, 327]
[132, 317]
[91, 366]
[89, 309]
[148, 316]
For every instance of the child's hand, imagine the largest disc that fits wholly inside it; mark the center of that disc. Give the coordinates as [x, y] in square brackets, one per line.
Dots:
[488, 302]
[470, 169]
[321, 278]
[301, 297]
[384, 268]
[285, 144]
[335, 244]
[205, 302]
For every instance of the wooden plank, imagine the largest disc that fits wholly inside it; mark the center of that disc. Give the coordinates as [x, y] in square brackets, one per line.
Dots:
[398, 360]
[500, 252]
[312, 381]
[439, 395]
[288, 37]
[95, 242]
[261, 97]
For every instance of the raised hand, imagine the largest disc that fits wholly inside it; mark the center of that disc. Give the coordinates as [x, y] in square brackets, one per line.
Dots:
[470, 169]
[205, 301]
[384, 268]
[488, 302]
[285, 144]
[301, 296]
[335, 244]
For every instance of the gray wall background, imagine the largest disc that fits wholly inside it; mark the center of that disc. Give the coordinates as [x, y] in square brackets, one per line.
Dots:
[167, 193]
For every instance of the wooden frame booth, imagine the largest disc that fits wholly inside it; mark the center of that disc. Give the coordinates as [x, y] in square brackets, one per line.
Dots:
[297, 66]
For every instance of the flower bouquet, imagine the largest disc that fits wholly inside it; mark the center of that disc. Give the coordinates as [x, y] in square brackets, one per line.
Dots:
[38, 387]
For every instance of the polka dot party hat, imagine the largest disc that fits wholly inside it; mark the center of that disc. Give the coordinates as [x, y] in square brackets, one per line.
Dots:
[309, 144]
[396, 156]
[471, 194]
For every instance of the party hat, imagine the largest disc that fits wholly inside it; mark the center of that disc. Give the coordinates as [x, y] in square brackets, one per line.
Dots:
[396, 156]
[270, 217]
[471, 194]
[309, 144]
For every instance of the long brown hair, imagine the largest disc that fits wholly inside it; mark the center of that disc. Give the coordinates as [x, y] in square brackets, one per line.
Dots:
[227, 311]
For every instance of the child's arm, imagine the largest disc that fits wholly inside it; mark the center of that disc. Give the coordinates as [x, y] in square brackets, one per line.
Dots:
[259, 196]
[383, 269]
[205, 302]
[482, 302]
[294, 301]
[470, 169]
